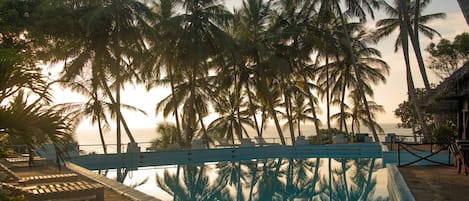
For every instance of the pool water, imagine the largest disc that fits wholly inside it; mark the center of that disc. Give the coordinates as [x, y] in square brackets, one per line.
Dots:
[264, 179]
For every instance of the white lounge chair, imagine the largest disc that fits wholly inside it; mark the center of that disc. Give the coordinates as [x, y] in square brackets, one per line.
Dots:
[261, 141]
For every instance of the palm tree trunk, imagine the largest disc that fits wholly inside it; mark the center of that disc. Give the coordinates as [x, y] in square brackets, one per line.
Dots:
[289, 116]
[357, 72]
[410, 81]
[328, 101]
[101, 135]
[202, 125]
[191, 112]
[272, 111]
[254, 180]
[344, 175]
[414, 38]
[118, 118]
[277, 125]
[253, 112]
[369, 181]
[313, 110]
[176, 115]
[342, 121]
[113, 101]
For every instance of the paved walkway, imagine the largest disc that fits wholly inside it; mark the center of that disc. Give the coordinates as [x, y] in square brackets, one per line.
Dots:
[436, 183]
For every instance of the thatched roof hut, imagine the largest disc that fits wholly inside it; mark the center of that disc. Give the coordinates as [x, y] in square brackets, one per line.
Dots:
[452, 97]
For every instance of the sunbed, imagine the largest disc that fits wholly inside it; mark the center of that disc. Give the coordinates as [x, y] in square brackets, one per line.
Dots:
[57, 191]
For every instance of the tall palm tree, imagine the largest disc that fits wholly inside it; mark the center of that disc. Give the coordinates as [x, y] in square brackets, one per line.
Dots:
[410, 82]
[256, 44]
[357, 113]
[228, 122]
[386, 27]
[109, 44]
[355, 8]
[300, 111]
[367, 63]
[167, 29]
[95, 108]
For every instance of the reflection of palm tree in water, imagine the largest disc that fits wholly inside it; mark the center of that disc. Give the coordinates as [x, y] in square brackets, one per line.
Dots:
[273, 179]
[193, 184]
[362, 184]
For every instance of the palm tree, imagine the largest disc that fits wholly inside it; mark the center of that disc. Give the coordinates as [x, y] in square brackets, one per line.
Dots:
[95, 108]
[255, 39]
[197, 101]
[108, 43]
[386, 27]
[35, 124]
[369, 65]
[356, 8]
[167, 31]
[358, 113]
[230, 118]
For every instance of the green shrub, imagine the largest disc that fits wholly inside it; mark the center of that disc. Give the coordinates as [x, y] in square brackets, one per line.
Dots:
[8, 196]
[443, 135]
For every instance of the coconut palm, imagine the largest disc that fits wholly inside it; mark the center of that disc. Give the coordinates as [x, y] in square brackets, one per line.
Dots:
[108, 45]
[359, 9]
[386, 27]
[95, 108]
[186, 100]
[369, 65]
[164, 57]
[255, 38]
[358, 113]
[230, 118]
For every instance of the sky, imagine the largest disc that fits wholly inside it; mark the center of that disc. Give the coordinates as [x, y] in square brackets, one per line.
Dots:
[390, 94]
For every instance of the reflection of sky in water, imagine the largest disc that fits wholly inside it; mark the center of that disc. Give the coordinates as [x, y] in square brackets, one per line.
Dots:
[284, 182]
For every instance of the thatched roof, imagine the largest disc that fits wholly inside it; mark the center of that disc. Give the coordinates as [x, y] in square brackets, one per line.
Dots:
[451, 87]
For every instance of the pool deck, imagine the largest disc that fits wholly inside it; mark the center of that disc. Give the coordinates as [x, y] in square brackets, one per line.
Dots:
[436, 183]
[46, 167]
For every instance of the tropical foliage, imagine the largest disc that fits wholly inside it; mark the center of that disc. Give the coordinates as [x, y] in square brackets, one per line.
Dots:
[447, 56]
[263, 62]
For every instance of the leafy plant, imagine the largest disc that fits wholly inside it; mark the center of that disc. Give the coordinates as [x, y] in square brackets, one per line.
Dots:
[443, 135]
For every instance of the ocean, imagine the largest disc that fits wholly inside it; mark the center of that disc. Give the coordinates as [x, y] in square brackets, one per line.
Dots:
[89, 140]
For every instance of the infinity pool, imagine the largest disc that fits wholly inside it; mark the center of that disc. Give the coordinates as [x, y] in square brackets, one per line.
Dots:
[264, 179]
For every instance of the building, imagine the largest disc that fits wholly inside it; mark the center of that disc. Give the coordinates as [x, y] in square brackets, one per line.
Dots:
[451, 98]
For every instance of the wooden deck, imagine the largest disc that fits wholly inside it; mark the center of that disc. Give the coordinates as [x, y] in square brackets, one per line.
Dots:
[43, 168]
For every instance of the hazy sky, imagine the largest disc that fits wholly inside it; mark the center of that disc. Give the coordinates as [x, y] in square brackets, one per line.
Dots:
[389, 95]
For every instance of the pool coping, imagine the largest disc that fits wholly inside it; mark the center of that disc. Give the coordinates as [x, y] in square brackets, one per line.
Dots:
[397, 187]
[120, 188]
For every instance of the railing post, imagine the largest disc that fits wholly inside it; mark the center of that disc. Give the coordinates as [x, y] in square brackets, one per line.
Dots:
[398, 154]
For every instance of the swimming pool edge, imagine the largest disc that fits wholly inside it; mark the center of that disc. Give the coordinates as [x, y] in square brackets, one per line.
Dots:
[397, 187]
[127, 191]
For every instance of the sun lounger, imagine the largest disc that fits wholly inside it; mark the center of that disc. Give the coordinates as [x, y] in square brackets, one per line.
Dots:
[224, 143]
[58, 191]
[23, 159]
[68, 177]
[261, 141]
[12, 176]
